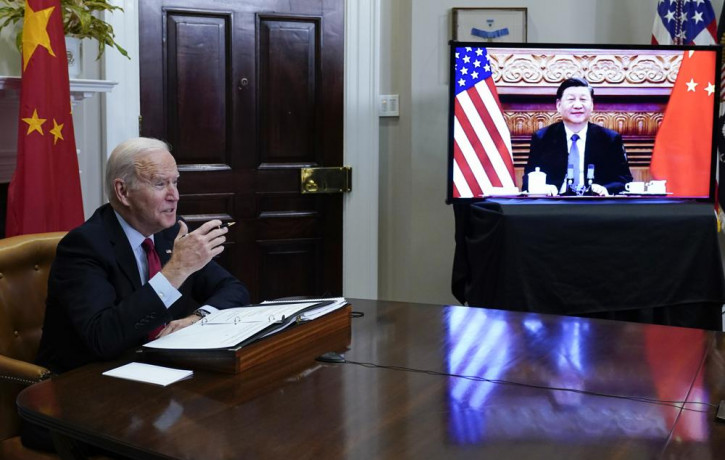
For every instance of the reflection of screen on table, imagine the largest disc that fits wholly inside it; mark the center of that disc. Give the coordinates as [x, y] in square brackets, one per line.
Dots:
[662, 100]
[559, 355]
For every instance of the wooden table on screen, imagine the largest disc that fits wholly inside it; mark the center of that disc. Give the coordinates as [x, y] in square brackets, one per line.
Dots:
[415, 407]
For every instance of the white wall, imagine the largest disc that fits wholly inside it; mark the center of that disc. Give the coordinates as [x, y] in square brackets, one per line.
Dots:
[416, 226]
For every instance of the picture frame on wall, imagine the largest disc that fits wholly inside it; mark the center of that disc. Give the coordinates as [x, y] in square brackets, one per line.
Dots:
[489, 24]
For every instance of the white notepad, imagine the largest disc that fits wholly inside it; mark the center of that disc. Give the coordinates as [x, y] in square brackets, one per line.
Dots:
[149, 373]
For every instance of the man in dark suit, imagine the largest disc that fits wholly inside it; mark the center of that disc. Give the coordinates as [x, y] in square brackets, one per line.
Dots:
[101, 300]
[574, 144]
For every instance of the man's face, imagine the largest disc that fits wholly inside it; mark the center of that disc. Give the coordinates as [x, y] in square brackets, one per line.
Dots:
[152, 200]
[575, 105]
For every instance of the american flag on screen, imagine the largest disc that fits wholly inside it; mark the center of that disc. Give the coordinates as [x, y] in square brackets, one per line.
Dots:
[482, 157]
[684, 22]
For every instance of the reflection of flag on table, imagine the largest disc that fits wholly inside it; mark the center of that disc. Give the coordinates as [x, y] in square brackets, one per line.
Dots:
[683, 145]
[482, 156]
[45, 193]
[684, 22]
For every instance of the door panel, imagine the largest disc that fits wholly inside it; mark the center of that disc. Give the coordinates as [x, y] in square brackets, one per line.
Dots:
[288, 71]
[290, 257]
[197, 50]
[246, 93]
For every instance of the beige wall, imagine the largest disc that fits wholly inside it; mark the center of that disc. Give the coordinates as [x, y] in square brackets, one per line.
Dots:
[416, 226]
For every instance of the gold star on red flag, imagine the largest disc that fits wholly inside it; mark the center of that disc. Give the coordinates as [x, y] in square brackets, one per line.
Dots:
[57, 131]
[35, 32]
[45, 192]
[34, 123]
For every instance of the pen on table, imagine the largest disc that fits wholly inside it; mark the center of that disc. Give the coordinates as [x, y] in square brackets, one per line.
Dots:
[224, 224]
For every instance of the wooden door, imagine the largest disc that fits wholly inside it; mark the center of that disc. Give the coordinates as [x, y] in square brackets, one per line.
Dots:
[247, 93]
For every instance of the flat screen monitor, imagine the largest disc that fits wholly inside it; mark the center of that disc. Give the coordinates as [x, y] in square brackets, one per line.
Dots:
[644, 119]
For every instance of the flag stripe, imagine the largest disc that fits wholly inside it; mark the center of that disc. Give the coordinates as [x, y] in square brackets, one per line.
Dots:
[460, 183]
[498, 118]
[482, 158]
[472, 161]
[472, 185]
[479, 128]
[495, 124]
[470, 144]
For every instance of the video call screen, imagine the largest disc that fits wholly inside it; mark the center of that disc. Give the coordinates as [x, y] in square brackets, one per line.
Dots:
[658, 105]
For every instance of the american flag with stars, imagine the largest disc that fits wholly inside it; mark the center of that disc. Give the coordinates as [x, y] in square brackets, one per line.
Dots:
[684, 22]
[482, 155]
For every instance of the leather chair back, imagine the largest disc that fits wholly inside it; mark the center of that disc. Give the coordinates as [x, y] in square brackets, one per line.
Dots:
[24, 268]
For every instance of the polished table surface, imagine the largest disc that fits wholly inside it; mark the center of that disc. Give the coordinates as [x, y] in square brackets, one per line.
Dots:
[423, 381]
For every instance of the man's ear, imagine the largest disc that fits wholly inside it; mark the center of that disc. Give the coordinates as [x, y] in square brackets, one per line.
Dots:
[121, 190]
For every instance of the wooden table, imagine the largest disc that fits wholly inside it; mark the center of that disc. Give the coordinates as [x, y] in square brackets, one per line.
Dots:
[396, 396]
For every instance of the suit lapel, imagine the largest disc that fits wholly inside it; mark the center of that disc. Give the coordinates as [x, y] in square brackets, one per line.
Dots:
[591, 145]
[561, 140]
[121, 247]
[561, 158]
[163, 246]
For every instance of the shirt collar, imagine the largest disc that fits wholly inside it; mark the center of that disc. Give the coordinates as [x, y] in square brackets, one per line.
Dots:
[134, 237]
[582, 134]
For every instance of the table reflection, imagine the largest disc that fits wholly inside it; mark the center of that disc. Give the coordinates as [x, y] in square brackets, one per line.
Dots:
[552, 357]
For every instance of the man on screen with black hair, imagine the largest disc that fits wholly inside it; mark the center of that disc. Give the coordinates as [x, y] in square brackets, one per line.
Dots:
[577, 148]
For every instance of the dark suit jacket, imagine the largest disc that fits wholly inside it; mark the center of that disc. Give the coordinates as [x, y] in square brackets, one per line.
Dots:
[604, 149]
[97, 308]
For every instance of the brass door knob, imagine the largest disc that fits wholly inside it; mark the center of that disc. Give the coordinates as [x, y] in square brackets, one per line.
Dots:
[311, 186]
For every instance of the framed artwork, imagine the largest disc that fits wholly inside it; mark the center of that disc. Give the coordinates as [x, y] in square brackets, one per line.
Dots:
[489, 24]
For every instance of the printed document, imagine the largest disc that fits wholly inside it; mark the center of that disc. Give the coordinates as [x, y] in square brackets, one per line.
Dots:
[230, 327]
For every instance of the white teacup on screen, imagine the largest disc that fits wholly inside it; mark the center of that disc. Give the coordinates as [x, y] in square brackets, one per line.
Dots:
[537, 182]
[657, 186]
[634, 187]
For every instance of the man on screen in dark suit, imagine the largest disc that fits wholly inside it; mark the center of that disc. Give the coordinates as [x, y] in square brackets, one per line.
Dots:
[574, 143]
[101, 300]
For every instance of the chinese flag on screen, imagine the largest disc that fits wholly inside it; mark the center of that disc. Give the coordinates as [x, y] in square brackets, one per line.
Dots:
[683, 144]
[45, 191]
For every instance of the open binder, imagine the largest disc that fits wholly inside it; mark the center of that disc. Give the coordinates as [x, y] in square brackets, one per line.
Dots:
[236, 339]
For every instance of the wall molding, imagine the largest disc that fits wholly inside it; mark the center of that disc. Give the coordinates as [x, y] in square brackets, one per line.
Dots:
[362, 149]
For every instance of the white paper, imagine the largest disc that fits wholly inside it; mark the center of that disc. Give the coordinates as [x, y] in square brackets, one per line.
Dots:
[337, 302]
[230, 327]
[149, 373]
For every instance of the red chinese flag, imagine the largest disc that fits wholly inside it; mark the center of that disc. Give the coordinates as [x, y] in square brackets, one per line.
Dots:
[45, 191]
[683, 145]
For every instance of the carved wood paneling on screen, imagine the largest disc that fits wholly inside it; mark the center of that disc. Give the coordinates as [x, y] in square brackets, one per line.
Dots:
[630, 94]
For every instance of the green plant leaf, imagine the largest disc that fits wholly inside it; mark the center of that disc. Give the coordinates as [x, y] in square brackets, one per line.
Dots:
[78, 21]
